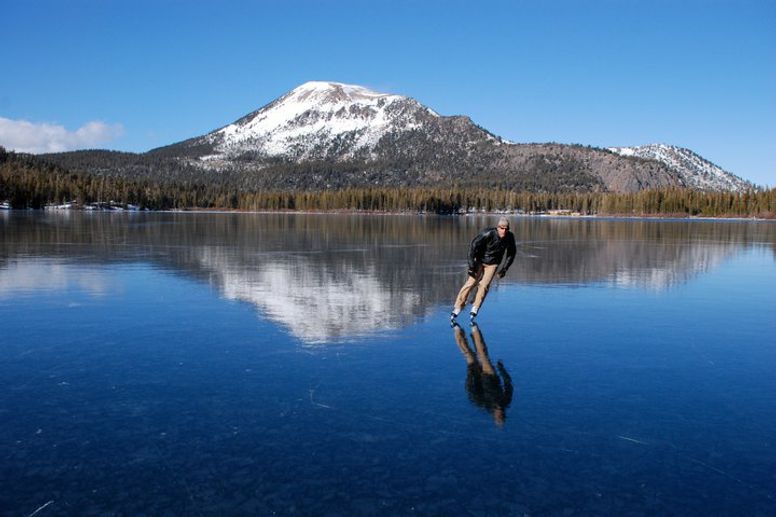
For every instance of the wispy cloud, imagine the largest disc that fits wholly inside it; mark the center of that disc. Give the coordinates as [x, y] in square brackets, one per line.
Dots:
[28, 137]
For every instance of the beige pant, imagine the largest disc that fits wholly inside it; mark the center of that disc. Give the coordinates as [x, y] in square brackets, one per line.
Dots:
[482, 350]
[484, 277]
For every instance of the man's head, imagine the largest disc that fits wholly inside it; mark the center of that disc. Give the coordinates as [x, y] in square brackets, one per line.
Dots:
[503, 227]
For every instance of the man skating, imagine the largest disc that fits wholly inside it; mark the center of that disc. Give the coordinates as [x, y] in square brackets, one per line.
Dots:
[486, 253]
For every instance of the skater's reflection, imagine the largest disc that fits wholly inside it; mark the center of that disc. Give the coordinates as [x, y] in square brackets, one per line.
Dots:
[488, 388]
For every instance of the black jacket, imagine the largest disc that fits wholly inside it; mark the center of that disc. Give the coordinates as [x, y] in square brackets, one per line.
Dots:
[487, 248]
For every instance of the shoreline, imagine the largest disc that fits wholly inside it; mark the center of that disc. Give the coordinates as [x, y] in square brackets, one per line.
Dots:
[666, 217]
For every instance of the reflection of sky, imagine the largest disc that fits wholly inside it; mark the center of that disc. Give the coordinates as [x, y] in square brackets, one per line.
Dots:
[21, 277]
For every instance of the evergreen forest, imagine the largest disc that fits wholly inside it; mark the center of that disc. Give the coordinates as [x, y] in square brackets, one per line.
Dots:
[27, 181]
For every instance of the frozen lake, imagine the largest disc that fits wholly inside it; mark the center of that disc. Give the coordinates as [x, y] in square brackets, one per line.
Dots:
[222, 364]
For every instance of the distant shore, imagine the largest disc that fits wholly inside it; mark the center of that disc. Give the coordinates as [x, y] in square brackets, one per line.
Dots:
[106, 208]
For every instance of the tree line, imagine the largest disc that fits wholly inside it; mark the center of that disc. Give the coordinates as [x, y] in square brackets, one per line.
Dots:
[27, 182]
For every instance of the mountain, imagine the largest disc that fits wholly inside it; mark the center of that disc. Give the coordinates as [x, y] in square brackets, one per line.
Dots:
[695, 171]
[332, 135]
[324, 121]
[327, 135]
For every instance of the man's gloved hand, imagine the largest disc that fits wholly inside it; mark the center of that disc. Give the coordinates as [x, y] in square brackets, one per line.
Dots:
[502, 273]
[472, 272]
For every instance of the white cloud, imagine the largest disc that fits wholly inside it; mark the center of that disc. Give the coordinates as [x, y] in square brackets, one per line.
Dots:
[28, 137]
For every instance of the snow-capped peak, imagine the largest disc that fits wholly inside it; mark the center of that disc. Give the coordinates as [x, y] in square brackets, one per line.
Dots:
[331, 91]
[695, 171]
[320, 114]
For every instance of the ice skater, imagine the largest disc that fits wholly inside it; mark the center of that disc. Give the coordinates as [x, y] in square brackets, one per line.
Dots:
[486, 253]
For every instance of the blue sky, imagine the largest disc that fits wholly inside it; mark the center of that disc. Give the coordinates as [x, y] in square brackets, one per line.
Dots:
[134, 75]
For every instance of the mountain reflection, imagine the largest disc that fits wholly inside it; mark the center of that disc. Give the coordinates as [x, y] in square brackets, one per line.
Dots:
[36, 275]
[337, 277]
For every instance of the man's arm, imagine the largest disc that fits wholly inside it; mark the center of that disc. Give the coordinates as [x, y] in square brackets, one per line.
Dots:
[476, 248]
[511, 252]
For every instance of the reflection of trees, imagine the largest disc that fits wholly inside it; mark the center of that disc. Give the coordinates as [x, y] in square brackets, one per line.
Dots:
[634, 253]
[334, 276]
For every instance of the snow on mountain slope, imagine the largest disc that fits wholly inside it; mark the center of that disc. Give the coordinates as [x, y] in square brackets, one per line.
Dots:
[695, 171]
[384, 139]
[321, 115]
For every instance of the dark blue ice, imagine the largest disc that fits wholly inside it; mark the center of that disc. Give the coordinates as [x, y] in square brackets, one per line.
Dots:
[223, 364]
